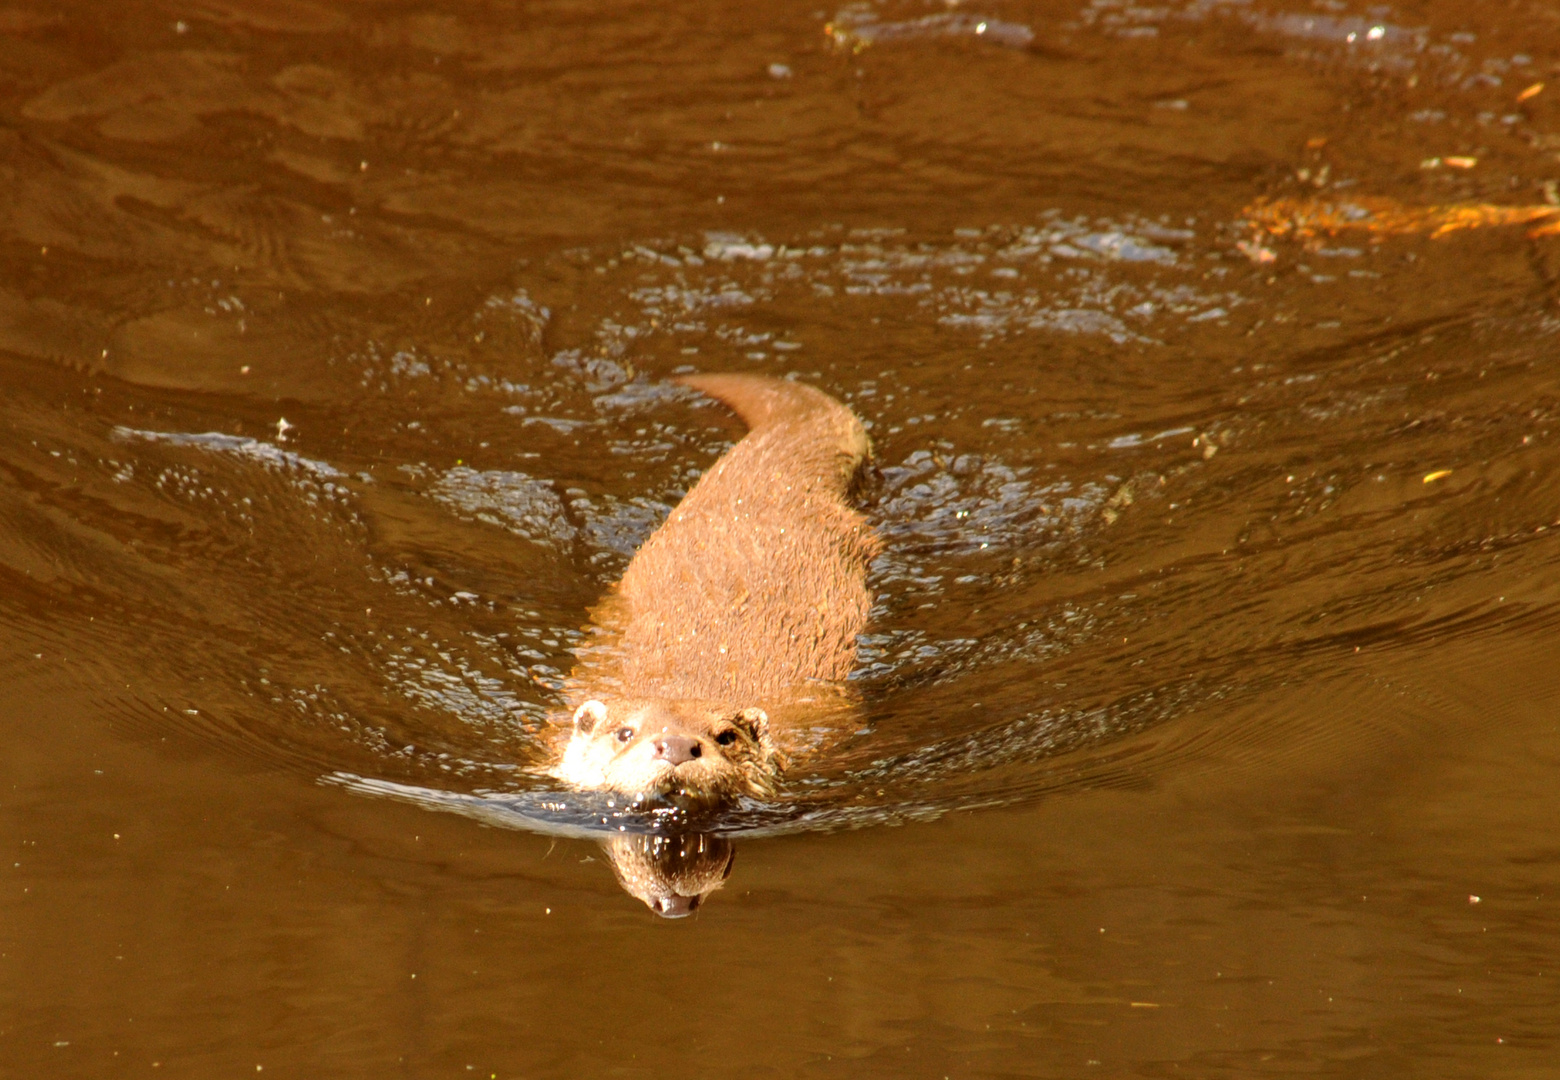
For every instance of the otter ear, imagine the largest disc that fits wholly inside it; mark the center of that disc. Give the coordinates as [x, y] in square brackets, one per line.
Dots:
[755, 722]
[588, 715]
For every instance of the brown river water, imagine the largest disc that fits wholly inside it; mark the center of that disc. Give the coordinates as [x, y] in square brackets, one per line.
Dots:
[1211, 352]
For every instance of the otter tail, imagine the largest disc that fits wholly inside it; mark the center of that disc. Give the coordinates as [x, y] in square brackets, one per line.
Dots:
[805, 413]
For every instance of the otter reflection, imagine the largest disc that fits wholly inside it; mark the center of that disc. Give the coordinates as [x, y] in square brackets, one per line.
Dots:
[672, 874]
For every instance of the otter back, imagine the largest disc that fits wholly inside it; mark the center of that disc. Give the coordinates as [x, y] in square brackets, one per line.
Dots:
[756, 583]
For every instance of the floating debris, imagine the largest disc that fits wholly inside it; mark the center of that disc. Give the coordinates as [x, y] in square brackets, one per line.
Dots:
[855, 30]
[1306, 219]
[1258, 254]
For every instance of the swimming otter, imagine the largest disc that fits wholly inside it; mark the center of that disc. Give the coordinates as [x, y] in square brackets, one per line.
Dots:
[737, 619]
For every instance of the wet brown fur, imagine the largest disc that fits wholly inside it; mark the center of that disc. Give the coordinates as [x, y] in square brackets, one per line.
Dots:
[749, 597]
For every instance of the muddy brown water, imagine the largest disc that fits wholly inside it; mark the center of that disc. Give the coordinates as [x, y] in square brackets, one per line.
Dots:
[1212, 719]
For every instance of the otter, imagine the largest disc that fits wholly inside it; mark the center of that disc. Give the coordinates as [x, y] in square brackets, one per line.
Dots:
[723, 650]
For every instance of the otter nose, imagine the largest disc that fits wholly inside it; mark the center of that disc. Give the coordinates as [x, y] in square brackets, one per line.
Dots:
[676, 749]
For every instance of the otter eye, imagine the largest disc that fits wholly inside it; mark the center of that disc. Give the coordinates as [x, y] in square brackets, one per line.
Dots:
[727, 737]
[625, 733]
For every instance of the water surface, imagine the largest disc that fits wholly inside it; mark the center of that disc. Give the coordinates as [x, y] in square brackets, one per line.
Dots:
[1209, 353]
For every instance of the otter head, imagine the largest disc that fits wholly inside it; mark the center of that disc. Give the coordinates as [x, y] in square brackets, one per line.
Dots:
[684, 751]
